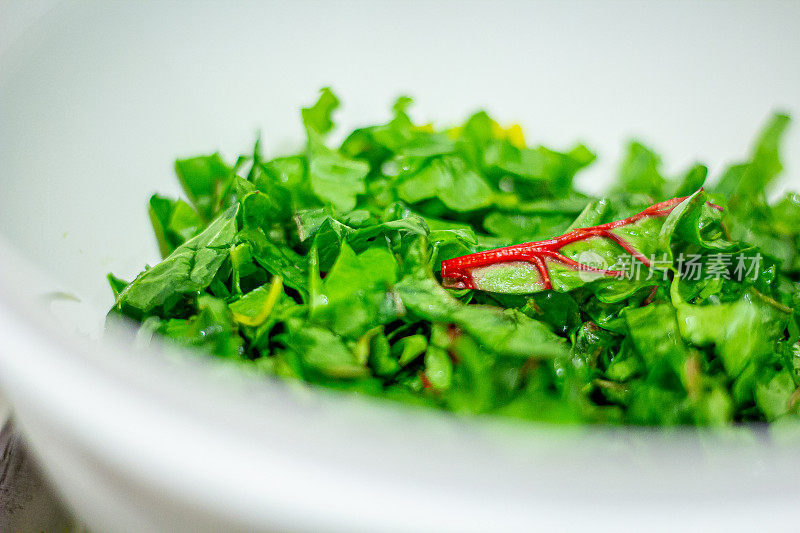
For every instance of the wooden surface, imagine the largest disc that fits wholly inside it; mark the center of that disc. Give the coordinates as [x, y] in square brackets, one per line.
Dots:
[26, 501]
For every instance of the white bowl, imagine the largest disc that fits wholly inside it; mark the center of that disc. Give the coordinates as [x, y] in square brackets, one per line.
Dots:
[97, 100]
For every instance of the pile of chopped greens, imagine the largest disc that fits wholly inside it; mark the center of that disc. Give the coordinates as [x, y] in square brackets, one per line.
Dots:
[325, 267]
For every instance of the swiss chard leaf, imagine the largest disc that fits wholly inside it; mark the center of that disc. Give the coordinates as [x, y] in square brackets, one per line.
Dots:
[206, 181]
[189, 269]
[462, 269]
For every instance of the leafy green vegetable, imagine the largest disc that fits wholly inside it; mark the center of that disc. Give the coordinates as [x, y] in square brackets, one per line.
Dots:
[369, 266]
[174, 222]
[335, 178]
[186, 271]
[254, 308]
[206, 181]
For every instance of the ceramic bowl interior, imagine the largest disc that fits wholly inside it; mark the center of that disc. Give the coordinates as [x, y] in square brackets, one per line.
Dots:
[97, 99]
